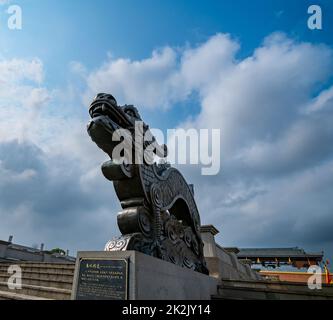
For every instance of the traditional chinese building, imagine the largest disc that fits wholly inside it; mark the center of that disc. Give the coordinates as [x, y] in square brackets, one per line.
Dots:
[277, 257]
[284, 264]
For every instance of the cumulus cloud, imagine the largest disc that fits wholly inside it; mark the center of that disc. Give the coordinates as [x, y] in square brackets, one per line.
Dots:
[166, 77]
[148, 82]
[50, 190]
[12, 71]
[276, 134]
[44, 198]
[21, 96]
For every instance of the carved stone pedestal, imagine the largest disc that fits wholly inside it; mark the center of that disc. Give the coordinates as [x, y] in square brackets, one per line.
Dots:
[131, 275]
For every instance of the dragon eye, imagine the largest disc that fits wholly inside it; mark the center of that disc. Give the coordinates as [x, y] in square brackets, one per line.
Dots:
[130, 113]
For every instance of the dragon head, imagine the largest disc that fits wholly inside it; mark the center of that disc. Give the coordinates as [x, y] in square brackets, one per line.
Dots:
[108, 118]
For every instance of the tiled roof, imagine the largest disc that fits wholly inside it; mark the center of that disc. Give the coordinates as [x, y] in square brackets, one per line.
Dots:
[277, 252]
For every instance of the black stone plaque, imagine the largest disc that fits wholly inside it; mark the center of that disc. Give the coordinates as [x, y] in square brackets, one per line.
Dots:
[102, 279]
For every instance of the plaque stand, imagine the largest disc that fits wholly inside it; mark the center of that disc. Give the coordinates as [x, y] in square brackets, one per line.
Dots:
[131, 275]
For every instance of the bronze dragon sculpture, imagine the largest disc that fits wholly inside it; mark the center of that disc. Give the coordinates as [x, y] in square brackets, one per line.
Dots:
[159, 217]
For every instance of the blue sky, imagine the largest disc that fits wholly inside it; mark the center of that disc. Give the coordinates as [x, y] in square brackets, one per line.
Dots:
[59, 32]
[251, 68]
[62, 31]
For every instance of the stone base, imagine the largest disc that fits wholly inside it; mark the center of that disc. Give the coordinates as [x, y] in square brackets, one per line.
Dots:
[154, 279]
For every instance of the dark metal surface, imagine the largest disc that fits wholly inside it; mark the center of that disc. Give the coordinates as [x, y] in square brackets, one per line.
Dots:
[160, 217]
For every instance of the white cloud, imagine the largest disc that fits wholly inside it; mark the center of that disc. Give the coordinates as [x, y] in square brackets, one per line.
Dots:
[323, 100]
[15, 70]
[164, 78]
[207, 64]
[150, 82]
[261, 96]
[45, 160]
[21, 96]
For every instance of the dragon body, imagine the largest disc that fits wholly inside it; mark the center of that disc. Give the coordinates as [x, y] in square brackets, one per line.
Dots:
[159, 215]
